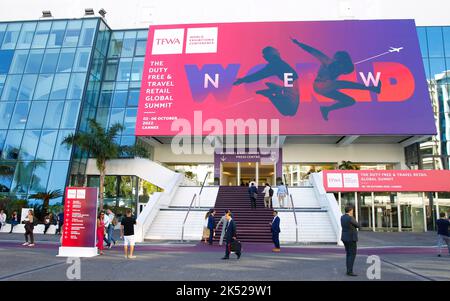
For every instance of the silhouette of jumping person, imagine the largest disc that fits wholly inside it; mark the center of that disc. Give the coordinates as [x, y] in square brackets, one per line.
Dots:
[285, 99]
[326, 84]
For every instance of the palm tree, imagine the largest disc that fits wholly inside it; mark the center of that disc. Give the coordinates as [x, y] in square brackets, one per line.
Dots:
[46, 196]
[101, 144]
[348, 165]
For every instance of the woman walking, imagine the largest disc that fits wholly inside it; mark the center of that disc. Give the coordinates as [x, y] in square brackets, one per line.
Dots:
[205, 228]
[100, 232]
[29, 228]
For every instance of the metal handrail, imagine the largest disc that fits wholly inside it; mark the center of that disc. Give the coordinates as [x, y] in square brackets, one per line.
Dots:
[295, 219]
[190, 206]
[201, 188]
[293, 210]
[185, 218]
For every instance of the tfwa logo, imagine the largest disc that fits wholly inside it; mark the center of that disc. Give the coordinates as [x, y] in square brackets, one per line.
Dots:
[168, 41]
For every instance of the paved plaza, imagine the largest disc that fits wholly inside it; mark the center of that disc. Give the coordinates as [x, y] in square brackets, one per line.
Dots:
[404, 257]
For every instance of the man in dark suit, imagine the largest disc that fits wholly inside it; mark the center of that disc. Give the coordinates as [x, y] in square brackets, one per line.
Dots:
[211, 225]
[230, 236]
[253, 194]
[349, 237]
[275, 228]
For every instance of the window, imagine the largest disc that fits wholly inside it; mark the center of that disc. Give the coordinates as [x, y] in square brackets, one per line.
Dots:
[124, 69]
[11, 87]
[7, 175]
[70, 115]
[58, 175]
[140, 47]
[130, 121]
[50, 61]
[59, 87]
[106, 94]
[29, 145]
[111, 69]
[128, 140]
[57, 34]
[11, 36]
[40, 177]
[2, 142]
[72, 33]
[76, 85]
[6, 109]
[136, 71]
[34, 61]
[87, 32]
[12, 145]
[120, 95]
[2, 82]
[115, 47]
[26, 36]
[46, 145]
[116, 116]
[19, 61]
[435, 43]
[41, 35]
[27, 87]
[6, 57]
[81, 60]
[102, 116]
[36, 116]
[62, 151]
[129, 42]
[446, 34]
[53, 115]
[133, 98]
[20, 115]
[43, 87]
[2, 32]
[66, 60]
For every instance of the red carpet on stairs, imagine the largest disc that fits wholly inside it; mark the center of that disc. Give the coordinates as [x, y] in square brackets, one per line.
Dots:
[252, 224]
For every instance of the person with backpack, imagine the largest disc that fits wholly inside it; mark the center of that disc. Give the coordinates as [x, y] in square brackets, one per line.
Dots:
[112, 222]
[268, 193]
[30, 221]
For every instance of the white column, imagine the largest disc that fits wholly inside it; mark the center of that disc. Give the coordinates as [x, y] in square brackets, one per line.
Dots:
[257, 174]
[437, 205]
[238, 180]
[356, 205]
[340, 201]
[373, 212]
[274, 180]
[399, 216]
[424, 213]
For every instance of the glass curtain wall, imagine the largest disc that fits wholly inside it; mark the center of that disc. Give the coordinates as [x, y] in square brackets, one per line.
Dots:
[43, 69]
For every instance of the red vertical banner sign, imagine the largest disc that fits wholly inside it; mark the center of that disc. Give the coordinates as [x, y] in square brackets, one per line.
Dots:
[80, 222]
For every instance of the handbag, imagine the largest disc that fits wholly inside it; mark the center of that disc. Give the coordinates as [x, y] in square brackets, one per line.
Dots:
[255, 195]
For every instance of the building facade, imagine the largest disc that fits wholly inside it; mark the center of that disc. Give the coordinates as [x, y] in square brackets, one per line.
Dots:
[55, 75]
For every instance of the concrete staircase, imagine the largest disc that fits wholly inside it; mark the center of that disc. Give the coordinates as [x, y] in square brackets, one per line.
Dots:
[252, 224]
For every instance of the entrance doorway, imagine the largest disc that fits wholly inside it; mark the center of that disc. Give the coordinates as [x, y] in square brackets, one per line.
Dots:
[242, 173]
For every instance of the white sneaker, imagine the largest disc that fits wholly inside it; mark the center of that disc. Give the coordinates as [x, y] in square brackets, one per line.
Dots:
[132, 257]
[25, 244]
[31, 245]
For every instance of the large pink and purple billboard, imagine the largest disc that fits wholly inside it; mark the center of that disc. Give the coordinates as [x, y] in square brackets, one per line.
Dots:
[317, 78]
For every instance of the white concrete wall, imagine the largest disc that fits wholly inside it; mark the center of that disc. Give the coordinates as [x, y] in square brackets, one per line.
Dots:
[183, 196]
[142, 13]
[367, 153]
[310, 153]
[163, 153]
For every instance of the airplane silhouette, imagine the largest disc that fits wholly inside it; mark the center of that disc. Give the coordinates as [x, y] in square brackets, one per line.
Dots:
[393, 49]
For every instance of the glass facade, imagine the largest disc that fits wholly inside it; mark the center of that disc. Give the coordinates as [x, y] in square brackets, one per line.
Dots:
[43, 73]
[57, 74]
